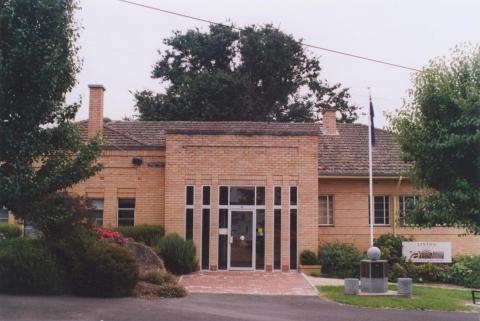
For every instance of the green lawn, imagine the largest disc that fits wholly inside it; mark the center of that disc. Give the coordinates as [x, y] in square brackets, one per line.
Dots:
[424, 298]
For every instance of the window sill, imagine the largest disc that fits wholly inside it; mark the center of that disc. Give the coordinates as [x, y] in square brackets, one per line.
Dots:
[326, 225]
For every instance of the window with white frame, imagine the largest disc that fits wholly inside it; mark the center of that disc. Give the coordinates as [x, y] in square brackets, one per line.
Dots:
[325, 210]
[97, 205]
[3, 214]
[126, 211]
[406, 204]
[381, 209]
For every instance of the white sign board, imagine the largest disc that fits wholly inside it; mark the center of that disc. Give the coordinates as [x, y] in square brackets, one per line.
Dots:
[422, 252]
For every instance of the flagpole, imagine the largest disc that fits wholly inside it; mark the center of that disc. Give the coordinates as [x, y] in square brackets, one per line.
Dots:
[370, 174]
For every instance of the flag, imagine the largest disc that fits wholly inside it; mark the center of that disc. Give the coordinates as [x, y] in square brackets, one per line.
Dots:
[372, 127]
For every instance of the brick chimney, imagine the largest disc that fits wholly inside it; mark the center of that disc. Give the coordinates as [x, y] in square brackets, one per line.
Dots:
[95, 110]
[330, 122]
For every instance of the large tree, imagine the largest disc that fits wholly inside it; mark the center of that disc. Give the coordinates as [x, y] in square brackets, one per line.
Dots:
[256, 74]
[439, 132]
[41, 151]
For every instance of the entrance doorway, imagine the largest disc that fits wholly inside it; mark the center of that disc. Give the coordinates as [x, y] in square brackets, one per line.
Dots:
[241, 240]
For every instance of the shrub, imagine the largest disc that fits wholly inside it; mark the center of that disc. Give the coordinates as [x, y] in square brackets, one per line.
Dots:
[307, 257]
[149, 234]
[59, 213]
[465, 271]
[178, 255]
[96, 268]
[171, 291]
[28, 267]
[391, 247]
[107, 234]
[9, 231]
[104, 270]
[157, 277]
[397, 271]
[339, 259]
[429, 272]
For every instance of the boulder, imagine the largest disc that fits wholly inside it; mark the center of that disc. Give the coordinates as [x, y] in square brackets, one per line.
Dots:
[147, 259]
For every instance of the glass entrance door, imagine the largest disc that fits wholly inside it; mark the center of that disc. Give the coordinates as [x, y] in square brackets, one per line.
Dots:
[241, 239]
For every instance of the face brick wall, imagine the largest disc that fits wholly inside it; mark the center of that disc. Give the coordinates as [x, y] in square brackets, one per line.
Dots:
[120, 178]
[241, 160]
[351, 216]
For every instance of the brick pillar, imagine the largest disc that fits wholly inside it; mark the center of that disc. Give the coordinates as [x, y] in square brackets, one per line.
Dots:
[95, 110]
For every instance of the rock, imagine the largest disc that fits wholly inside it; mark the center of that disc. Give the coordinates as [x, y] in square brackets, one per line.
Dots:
[147, 259]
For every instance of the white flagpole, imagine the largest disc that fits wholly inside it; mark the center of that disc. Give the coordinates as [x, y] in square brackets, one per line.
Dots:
[370, 171]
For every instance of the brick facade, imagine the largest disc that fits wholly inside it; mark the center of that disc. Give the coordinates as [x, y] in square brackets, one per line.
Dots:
[179, 154]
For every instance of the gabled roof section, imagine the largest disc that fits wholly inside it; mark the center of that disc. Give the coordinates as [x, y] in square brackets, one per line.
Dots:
[346, 154]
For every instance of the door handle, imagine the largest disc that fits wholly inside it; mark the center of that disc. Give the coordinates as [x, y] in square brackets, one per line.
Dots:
[231, 239]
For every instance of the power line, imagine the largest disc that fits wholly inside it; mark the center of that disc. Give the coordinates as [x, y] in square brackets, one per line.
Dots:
[240, 29]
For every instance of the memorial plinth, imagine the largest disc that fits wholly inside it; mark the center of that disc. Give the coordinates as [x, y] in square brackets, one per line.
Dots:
[374, 276]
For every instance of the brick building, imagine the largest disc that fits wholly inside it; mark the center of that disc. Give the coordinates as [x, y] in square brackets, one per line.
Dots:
[252, 195]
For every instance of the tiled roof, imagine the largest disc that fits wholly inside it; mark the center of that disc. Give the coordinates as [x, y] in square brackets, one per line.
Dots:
[345, 154]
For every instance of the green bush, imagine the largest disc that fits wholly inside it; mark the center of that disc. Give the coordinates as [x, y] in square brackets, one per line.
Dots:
[96, 268]
[28, 267]
[391, 247]
[465, 271]
[104, 270]
[428, 272]
[171, 291]
[339, 259]
[178, 255]
[159, 278]
[9, 231]
[150, 235]
[307, 257]
[397, 271]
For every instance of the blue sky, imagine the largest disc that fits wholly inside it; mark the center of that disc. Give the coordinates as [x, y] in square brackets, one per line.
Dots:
[120, 42]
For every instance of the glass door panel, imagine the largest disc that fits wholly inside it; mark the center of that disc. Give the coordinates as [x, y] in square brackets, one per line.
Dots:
[241, 239]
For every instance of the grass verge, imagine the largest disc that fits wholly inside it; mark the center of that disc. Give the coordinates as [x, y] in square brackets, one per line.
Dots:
[424, 298]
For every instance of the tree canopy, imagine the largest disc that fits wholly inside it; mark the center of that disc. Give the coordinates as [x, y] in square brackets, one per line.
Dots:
[256, 74]
[439, 132]
[41, 151]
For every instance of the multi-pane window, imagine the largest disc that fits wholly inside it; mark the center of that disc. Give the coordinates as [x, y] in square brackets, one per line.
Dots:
[406, 203]
[381, 209]
[189, 204]
[97, 205]
[325, 210]
[3, 215]
[126, 211]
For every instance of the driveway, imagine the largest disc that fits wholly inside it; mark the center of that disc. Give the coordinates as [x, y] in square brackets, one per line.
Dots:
[211, 307]
[261, 283]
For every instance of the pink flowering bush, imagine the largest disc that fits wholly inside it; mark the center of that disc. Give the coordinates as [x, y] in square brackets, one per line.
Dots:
[117, 237]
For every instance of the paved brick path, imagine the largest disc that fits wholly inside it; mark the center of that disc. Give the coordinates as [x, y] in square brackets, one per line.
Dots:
[248, 283]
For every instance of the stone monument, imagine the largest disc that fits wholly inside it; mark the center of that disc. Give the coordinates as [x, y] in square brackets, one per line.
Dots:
[374, 273]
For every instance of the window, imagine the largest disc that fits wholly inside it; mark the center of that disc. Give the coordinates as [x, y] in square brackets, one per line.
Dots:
[126, 211]
[325, 210]
[3, 215]
[205, 227]
[97, 205]
[293, 227]
[277, 227]
[242, 195]
[381, 209]
[407, 203]
[189, 203]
